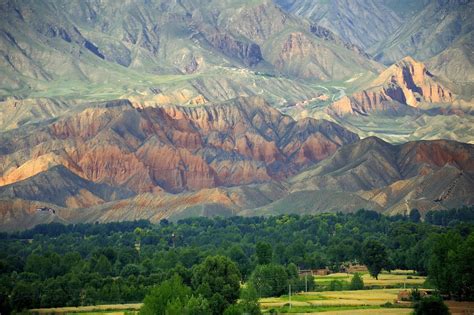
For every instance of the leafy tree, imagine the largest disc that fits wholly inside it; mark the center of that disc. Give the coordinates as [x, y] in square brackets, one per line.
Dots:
[269, 280]
[24, 296]
[169, 297]
[236, 253]
[53, 294]
[450, 266]
[130, 269]
[192, 306]
[46, 266]
[464, 269]
[103, 266]
[197, 306]
[217, 279]
[442, 260]
[249, 301]
[292, 271]
[264, 253]
[374, 256]
[431, 305]
[415, 215]
[356, 282]
[234, 309]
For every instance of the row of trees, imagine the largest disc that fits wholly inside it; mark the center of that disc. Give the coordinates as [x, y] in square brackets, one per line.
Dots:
[121, 262]
[450, 217]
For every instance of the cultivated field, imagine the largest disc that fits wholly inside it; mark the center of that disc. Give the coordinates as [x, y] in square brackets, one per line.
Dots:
[336, 298]
[388, 311]
[395, 279]
[112, 309]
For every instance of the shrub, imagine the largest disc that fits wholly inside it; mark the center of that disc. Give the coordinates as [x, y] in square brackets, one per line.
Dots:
[415, 295]
[336, 285]
[432, 305]
[357, 283]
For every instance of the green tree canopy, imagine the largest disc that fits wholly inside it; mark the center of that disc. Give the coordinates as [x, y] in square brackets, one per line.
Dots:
[217, 279]
[248, 303]
[356, 282]
[169, 297]
[374, 256]
[264, 253]
[269, 280]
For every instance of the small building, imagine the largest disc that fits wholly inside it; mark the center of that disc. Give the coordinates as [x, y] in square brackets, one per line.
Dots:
[357, 268]
[322, 272]
[353, 268]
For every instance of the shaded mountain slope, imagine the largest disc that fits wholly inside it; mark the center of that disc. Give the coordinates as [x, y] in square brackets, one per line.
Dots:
[425, 174]
[373, 163]
[456, 63]
[362, 23]
[435, 28]
[61, 187]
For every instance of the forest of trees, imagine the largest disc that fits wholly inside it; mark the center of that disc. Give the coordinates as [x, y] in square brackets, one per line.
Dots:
[84, 264]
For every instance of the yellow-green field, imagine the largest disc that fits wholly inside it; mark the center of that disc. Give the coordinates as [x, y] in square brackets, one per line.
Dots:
[393, 279]
[336, 301]
[388, 311]
[336, 298]
[112, 309]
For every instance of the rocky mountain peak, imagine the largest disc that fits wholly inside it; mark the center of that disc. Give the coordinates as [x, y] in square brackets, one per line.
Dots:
[414, 81]
[405, 83]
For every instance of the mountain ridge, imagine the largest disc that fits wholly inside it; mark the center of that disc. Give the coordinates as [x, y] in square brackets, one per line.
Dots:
[152, 109]
[237, 142]
[427, 175]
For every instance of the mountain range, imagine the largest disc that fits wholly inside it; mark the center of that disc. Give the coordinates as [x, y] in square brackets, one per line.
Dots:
[151, 109]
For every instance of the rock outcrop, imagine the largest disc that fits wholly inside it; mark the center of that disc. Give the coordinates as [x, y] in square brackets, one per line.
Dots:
[406, 83]
[249, 53]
